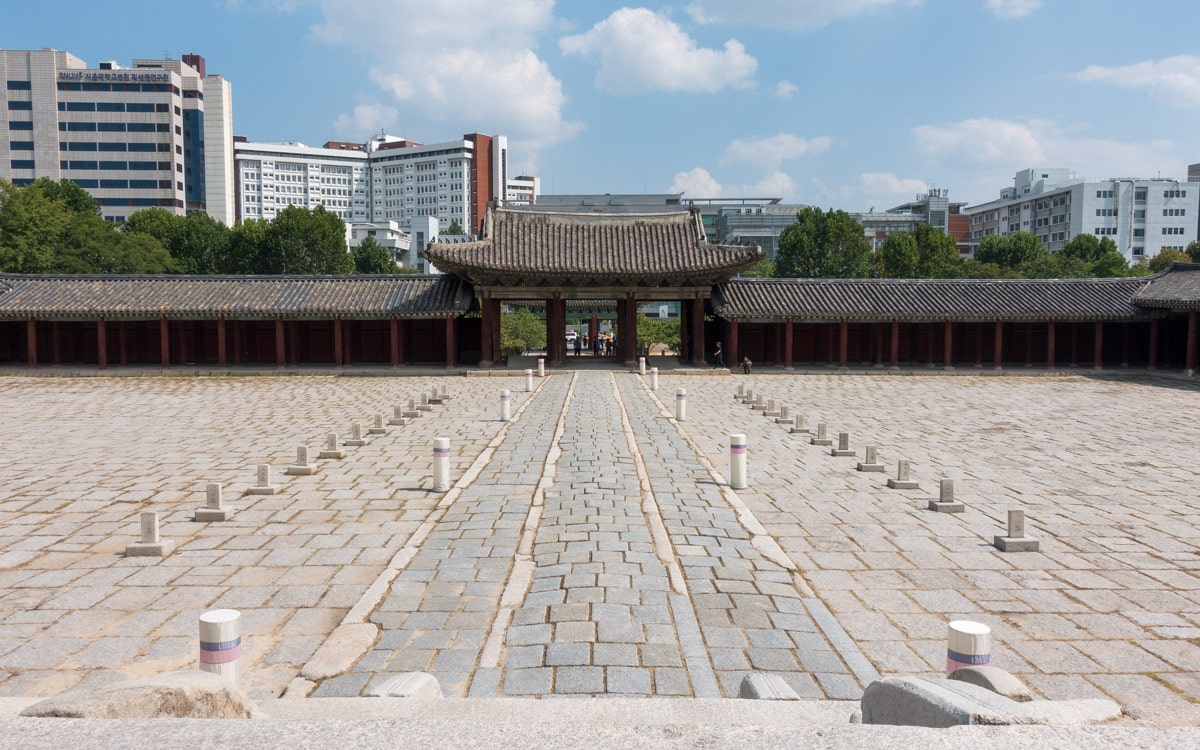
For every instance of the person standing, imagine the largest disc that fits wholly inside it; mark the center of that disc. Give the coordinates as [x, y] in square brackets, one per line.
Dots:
[578, 346]
[718, 357]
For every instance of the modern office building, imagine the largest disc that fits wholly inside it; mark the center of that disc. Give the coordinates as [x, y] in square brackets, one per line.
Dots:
[157, 134]
[1142, 216]
[384, 179]
[273, 176]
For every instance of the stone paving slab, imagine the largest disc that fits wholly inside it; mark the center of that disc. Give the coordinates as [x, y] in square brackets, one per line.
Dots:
[1109, 607]
[1102, 467]
[87, 456]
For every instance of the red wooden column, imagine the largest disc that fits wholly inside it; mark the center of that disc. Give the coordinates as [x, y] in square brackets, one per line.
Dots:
[843, 343]
[895, 360]
[789, 337]
[394, 340]
[164, 341]
[101, 345]
[948, 345]
[222, 359]
[452, 341]
[1153, 363]
[1050, 345]
[31, 353]
[696, 320]
[1098, 346]
[1190, 359]
[337, 340]
[731, 351]
[348, 343]
[280, 349]
[998, 347]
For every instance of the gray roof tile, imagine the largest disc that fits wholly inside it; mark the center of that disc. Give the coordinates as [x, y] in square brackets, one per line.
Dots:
[197, 297]
[1177, 288]
[930, 299]
[581, 249]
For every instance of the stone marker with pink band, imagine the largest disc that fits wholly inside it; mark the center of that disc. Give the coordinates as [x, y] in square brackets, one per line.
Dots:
[221, 644]
[737, 462]
[969, 644]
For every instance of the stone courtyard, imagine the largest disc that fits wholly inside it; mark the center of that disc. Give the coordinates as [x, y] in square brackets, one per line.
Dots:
[592, 545]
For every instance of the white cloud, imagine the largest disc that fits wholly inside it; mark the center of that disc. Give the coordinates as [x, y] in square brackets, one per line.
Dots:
[696, 183]
[982, 140]
[770, 151]
[471, 63]
[871, 190]
[1013, 8]
[786, 90]
[1174, 79]
[366, 119]
[642, 51]
[1004, 146]
[775, 185]
[794, 15]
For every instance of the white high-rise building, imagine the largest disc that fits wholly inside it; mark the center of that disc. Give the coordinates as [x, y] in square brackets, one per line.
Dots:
[138, 137]
[273, 176]
[1142, 216]
[386, 179]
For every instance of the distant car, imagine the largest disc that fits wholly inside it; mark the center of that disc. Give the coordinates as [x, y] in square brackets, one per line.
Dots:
[571, 336]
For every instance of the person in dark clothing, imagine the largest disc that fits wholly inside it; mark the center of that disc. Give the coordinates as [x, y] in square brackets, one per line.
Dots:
[718, 356]
[746, 365]
[578, 346]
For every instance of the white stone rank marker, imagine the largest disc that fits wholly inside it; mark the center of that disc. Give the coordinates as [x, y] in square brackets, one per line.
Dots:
[1016, 541]
[903, 479]
[214, 508]
[151, 544]
[945, 502]
[264, 486]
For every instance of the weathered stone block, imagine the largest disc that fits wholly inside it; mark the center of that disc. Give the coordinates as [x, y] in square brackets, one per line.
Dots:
[923, 702]
[994, 679]
[766, 687]
[186, 693]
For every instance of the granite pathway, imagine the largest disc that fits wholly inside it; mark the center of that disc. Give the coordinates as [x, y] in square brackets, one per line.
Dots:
[597, 554]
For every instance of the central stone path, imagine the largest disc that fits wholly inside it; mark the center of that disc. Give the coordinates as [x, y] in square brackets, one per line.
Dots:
[596, 553]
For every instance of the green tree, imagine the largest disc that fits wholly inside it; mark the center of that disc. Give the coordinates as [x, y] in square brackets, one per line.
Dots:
[244, 248]
[455, 228]
[937, 253]
[1193, 251]
[371, 257]
[764, 269]
[159, 223]
[199, 244]
[74, 198]
[521, 331]
[1085, 247]
[653, 330]
[1014, 251]
[1165, 258]
[32, 226]
[303, 241]
[93, 246]
[823, 245]
[898, 257]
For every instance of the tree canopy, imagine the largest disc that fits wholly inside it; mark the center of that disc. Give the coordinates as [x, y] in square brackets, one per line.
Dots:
[56, 227]
[371, 257]
[823, 245]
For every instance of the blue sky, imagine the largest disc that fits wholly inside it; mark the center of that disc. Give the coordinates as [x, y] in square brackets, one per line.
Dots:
[839, 103]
